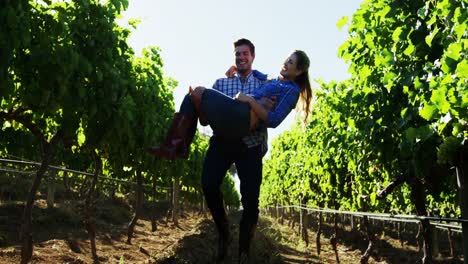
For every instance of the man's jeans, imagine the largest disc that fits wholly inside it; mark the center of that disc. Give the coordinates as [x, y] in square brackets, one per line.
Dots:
[219, 157]
[230, 121]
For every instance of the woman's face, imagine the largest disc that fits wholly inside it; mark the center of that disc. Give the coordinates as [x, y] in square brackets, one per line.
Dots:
[289, 70]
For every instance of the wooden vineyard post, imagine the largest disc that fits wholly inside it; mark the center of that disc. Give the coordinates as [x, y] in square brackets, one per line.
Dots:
[88, 208]
[51, 189]
[319, 232]
[175, 201]
[136, 216]
[334, 237]
[370, 237]
[154, 226]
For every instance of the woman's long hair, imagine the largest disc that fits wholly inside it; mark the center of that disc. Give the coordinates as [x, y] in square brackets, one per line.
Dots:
[303, 82]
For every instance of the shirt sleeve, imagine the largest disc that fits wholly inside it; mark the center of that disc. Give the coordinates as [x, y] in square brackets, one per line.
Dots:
[286, 103]
[260, 75]
[216, 85]
[261, 91]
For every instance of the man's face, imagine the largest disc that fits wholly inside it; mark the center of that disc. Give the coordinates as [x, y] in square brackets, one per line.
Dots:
[244, 59]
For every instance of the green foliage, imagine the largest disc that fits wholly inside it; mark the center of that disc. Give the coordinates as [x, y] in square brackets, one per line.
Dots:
[404, 108]
[447, 150]
[66, 70]
[230, 194]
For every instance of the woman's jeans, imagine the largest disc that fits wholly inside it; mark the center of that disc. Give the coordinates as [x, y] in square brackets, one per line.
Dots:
[229, 118]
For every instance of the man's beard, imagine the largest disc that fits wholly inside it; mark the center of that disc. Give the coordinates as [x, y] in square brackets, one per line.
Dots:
[243, 71]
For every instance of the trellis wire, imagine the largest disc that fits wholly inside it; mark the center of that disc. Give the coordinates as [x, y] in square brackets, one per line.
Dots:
[388, 217]
[57, 168]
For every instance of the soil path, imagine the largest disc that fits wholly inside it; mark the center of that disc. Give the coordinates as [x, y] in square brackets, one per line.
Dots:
[192, 241]
[60, 238]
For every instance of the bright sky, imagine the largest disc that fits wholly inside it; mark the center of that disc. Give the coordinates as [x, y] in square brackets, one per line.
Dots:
[196, 37]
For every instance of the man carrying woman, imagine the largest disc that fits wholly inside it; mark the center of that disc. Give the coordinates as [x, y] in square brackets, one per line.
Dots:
[238, 110]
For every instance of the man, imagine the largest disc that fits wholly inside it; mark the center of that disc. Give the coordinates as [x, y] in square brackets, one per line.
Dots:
[246, 154]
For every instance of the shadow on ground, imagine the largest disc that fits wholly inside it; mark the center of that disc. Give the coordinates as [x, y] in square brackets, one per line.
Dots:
[200, 246]
[65, 219]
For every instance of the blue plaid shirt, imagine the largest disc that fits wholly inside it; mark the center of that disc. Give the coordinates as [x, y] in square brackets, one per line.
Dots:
[230, 87]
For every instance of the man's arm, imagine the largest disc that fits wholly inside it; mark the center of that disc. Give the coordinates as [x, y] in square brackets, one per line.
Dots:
[259, 110]
[268, 103]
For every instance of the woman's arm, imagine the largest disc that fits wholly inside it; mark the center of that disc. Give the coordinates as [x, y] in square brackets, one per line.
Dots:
[275, 116]
[261, 112]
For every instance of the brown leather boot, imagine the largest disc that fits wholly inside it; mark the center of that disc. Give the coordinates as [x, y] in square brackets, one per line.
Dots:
[178, 138]
[196, 96]
[192, 129]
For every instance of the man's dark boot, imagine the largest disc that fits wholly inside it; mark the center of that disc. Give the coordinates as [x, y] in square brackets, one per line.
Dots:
[246, 234]
[223, 246]
[224, 241]
[243, 258]
[178, 138]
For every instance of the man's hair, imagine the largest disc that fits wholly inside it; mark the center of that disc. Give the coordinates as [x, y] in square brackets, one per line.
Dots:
[247, 42]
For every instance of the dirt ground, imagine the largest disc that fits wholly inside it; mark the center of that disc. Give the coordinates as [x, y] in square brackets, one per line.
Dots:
[59, 237]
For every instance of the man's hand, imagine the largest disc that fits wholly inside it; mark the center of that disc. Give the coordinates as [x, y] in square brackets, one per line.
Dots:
[268, 103]
[231, 72]
[243, 97]
[255, 107]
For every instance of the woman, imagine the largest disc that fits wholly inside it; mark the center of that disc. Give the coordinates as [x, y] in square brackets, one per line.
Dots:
[232, 119]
